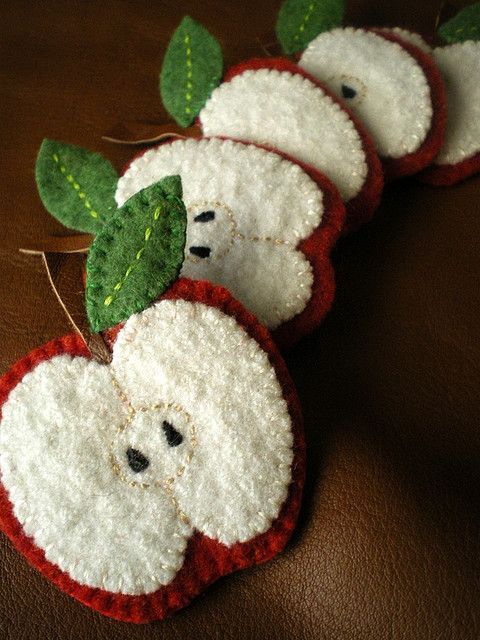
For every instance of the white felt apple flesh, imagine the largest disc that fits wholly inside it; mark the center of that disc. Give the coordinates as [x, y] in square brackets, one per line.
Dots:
[273, 102]
[386, 85]
[459, 65]
[248, 211]
[111, 469]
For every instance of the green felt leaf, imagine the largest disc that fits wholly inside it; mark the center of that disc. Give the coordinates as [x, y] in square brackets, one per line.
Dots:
[191, 70]
[76, 186]
[464, 26]
[137, 255]
[300, 21]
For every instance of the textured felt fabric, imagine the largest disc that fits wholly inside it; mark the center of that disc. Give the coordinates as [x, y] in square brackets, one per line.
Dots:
[459, 158]
[76, 186]
[299, 21]
[274, 102]
[138, 545]
[137, 255]
[393, 87]
[459, 65]
[409, 36]
[191, 69]
[250, 209]
[464, 26]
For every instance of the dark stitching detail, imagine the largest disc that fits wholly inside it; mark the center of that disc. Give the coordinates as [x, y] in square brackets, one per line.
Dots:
[348, 92]
[136, 460]
[201, 252]
[205, 216]
[173, 437]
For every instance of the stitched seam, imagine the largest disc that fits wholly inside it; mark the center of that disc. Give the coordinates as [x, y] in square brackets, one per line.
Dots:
[361, 92]
[188, 92]
[77, 188]
[234, 234]
[277, 241]
[470, 28]
[166, 484]
[306, 18]
[148, 232]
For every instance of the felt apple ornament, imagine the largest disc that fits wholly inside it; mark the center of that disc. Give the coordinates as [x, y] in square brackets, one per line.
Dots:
[257, 222]
[459, 64]
[392, 86]
[272, 102]
[133, 485]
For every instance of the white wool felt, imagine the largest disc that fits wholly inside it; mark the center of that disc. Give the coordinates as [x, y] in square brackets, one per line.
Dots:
[292, 114]
[264, 205]
[392, 92]
[273, 299]
[55, 436]
[460, 67]
[269, 195]
[191, 393]
[195, 356]
[411, 37]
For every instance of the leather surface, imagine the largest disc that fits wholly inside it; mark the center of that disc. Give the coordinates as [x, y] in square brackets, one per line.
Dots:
[388, 545]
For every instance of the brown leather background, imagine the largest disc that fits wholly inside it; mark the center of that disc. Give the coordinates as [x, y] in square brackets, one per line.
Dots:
[388, 544]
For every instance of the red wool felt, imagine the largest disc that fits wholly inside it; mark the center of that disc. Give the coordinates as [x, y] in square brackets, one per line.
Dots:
[206, 560]
[316, 248]
[361, 208]
[415, 162]
[446, 175]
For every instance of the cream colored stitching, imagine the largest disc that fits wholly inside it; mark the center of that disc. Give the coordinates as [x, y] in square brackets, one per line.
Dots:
[277, 241]
[234, 233]
[361, 91]
[121, 394]
[229, 212]
[168, 482]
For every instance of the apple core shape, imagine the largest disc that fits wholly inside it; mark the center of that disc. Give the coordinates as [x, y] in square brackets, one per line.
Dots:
[390, 85]
[273, 102]
[109, 473]
[258, 223]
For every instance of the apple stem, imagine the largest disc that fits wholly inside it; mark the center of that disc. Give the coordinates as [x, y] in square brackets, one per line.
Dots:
[71, 302]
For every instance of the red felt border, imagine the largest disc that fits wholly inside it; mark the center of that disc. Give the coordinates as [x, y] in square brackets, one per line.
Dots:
[361, 208]
[206, 560]
[446, 175]
[415, 162]
[316, 248]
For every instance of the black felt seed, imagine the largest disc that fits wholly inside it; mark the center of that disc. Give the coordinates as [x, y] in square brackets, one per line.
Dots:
[201, 252]
[348, 92]
[205, 216]
[136, 460]
[173, 437]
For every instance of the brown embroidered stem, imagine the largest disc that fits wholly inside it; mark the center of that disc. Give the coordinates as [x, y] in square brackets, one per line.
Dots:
[122, 134]
[269, 45]
[446, 11]
[66, 287]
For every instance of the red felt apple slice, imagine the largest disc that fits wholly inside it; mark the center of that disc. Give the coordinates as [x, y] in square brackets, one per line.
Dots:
[459, 158]
[258, 223]
[134, 486]
[393, 87]
[459, 64]
[274, 102]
